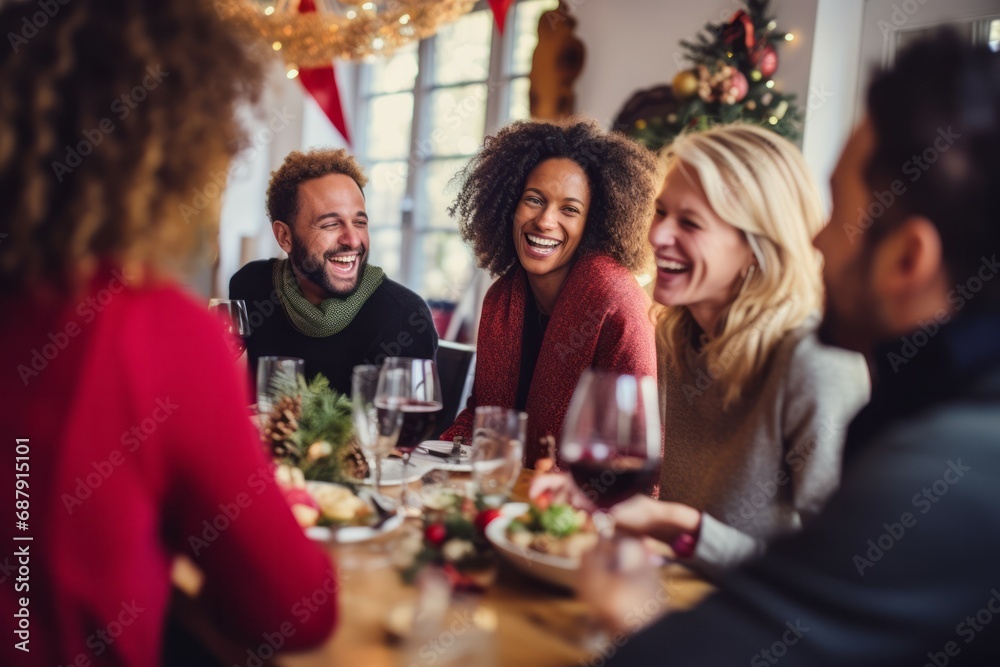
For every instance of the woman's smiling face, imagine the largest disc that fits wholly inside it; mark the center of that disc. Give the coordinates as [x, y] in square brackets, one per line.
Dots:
[551, 216]
[699, 256]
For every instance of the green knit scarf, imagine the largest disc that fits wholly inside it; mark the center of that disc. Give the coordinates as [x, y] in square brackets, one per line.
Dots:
[329, 317]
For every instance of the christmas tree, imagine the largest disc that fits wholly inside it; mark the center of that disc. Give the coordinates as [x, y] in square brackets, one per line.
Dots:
[730, 80]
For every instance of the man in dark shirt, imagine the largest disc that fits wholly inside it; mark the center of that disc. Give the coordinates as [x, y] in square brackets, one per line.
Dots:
[903, 566]
[326, 303]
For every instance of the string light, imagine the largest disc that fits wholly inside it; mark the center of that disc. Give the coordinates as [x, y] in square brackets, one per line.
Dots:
[770, 83]
[292, 73]
[789, 36]
[773, 120]
[756, 75]
[772, 25]
[314, 39]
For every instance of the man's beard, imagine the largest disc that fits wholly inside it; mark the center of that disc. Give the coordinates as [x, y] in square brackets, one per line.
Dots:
[314, 268]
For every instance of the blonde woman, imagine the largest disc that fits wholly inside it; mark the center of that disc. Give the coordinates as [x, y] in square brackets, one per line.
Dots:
[754, 407]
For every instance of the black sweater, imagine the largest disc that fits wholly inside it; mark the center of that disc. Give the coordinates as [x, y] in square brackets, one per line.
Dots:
[394, 322]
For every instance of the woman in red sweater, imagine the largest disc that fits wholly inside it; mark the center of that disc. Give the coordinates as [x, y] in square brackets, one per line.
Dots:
[123, 416]
[559, 212]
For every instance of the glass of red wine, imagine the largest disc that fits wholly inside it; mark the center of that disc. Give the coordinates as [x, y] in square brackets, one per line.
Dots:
[611, 440]
[236, 324]
[412, 386]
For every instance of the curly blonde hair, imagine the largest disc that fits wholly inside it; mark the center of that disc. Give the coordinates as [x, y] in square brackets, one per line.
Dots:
[115, 116]
[621, 175]
[759, 183]
[283, 190]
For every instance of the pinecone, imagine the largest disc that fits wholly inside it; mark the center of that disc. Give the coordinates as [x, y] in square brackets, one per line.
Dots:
[281, 423]
[353, 462]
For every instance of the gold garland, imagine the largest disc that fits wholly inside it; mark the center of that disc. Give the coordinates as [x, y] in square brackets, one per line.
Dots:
[365, 28]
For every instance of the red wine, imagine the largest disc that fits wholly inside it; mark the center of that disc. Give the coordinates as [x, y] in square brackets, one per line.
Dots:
[419, 420]
[237, 345]
[611, 481]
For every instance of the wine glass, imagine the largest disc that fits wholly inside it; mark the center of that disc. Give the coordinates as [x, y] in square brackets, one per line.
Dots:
[377, 430]
[611, 440]
[497, 451]
[413, 385]
[236, 323]
[276, 375]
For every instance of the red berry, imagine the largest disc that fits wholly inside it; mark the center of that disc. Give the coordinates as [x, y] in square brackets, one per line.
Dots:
[436, 534]
[484, 518]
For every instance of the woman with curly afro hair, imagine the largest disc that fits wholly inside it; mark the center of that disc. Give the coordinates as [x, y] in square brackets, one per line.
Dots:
[559, 212]
[116, 117]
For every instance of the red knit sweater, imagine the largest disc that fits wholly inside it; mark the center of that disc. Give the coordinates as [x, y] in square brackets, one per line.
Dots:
[140, 448]
[601, 320]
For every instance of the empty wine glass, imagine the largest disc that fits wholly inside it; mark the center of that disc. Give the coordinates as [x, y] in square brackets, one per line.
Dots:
[377, 430]
[272, 371]
[497, 451]
[611, 439]
[235, 323]
[413, 385]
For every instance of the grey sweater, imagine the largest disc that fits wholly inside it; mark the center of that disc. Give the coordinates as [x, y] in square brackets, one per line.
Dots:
[767, 464]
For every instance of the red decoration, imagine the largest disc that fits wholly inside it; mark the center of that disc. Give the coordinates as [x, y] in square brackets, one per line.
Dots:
[500, 8]
[321, 83]
[739, 29]
[738, 88]
[766, 60]
[436, 534]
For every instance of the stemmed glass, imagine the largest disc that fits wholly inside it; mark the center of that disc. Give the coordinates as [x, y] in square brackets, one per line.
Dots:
[497, 451]
[611, 445]
[413, 386]
[611, 440]
[377, 430]
[236, 324]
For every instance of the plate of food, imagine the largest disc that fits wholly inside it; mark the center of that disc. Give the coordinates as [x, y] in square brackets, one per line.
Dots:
[336, 513]
[543, 542]
[441, 454]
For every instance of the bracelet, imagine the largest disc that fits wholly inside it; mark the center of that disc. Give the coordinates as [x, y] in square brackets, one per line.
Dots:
[684, 544]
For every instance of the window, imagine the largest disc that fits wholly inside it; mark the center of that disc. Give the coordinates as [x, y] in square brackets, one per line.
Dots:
[422, 114]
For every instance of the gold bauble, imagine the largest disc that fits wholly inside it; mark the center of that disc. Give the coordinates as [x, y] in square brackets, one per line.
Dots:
[685, 84]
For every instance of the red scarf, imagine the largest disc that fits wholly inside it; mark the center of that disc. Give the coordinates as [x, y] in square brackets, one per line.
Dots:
[601, 320]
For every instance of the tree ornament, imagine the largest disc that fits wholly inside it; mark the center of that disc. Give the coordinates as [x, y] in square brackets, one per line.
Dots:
[739, 32]
[765, 60]
[736, 88]
[685, 84]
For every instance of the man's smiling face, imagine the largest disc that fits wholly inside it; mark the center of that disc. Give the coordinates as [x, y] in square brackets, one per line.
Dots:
[329, 236]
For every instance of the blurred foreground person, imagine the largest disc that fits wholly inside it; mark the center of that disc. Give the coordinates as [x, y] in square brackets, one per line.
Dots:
[901, 567]
[133, 438]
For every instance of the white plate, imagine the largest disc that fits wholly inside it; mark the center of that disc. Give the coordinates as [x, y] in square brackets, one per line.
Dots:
[392, 472]
[553, 569]
[463, 464]
[351, 534]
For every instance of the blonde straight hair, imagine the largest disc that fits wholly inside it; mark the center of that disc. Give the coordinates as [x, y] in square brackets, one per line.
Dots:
[759, 183]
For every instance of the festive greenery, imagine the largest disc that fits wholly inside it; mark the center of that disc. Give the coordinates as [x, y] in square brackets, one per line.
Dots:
[310, 427]
[453, 538]
[730, 80]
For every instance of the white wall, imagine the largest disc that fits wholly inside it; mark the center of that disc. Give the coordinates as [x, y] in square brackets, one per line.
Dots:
[833, 80]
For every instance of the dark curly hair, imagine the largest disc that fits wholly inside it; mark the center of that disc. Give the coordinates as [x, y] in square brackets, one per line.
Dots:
[117, 116]
[622, 176]
[283, 190]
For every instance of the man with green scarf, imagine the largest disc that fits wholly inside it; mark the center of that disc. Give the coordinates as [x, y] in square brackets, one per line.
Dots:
[326, 303]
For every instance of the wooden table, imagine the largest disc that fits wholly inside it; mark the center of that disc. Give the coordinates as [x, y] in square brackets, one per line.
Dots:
[518, 622]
